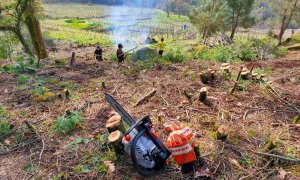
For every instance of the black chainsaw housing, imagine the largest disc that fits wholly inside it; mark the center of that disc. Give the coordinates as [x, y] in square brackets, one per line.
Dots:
[160, 157]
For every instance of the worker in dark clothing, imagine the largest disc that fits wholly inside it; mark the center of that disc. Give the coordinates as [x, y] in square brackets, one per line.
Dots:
[121, 56]
[98, 54]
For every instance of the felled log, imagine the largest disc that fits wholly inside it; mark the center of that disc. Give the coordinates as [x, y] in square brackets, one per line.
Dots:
[115, 139]
[145, 98]
[115, 123]
[222, 133]
[236, 81]
[203, 94]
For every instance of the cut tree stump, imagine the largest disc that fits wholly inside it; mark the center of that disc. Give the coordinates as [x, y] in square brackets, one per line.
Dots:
[245, 74]
[115, 138]
[211, 74]
[72, 59]
[145, 98]
[203, 94]
[204, 77]
[222, 133]
[115, 123]
[103, 84]
[225, 67]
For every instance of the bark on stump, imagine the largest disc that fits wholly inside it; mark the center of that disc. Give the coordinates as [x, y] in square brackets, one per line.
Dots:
[72, 59]
[203, 94]
[204, 77]
[115, 123]
[222, 133]
[115, 139]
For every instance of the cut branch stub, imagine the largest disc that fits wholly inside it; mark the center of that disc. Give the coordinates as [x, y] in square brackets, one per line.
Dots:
[237, 81]
[72, 59]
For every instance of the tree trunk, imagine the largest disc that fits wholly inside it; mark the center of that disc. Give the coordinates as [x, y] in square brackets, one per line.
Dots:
[167, 7]
[20, 37]
[35, 32]
[235, 22]
[282, 28]
[284, 25]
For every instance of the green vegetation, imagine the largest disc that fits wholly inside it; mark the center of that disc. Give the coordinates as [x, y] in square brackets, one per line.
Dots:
[243, 49]
[22, 66]
[68, 124]
[297, 118]
[42, 93]
[4, 125]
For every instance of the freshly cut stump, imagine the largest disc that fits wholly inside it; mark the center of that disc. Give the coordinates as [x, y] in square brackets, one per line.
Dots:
[115, 123]
[115, 138]
[203, 94]
[204, 77]
[222, 133]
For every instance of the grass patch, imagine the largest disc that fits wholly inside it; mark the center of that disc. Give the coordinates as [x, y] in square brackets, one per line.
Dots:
[252, 132]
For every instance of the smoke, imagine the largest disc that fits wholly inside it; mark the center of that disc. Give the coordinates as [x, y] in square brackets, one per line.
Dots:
[129, 25]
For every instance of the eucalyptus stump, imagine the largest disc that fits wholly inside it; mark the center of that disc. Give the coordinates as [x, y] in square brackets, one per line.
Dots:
[225, 67]
[115, 139]
[115, 123]
[245, 74]
[203, 94]
[204, 77]
[222, 133]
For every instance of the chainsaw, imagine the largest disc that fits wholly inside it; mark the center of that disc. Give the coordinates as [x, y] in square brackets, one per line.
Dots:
[147, 152]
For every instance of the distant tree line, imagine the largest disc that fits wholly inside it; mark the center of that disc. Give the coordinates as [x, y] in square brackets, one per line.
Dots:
[143, 3]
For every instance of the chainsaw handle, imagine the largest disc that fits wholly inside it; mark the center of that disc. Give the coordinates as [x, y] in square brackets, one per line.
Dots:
[142, 121]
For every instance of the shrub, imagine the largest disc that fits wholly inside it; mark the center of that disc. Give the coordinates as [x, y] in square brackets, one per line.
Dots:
[21, 67]
[65, 125]
[174, 56]
[243, 49]
[218, 53]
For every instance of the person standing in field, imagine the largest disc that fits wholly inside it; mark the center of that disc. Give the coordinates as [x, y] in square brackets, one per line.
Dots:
[98, 54]
[161, 47]
[120, 54]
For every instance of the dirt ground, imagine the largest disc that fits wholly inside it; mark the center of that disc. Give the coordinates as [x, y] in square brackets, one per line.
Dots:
[253, 117]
